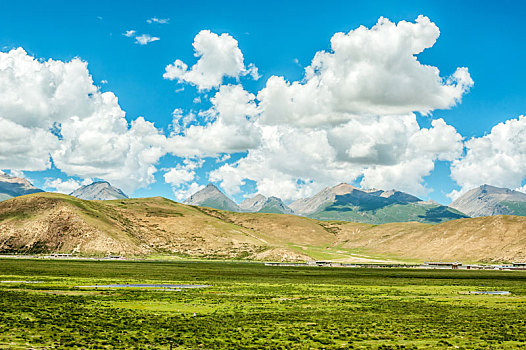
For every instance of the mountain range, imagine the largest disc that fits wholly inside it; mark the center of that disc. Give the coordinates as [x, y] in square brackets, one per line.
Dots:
[43, 223]
[341, 202]
[348, 203]
[12, 186]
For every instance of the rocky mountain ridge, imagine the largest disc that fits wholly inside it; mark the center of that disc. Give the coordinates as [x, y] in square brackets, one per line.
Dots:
[12, 186]
[341, 202]
[99, 190]
[489, 200]
[212, 197]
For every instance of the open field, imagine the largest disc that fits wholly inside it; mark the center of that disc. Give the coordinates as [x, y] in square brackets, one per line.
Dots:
[252, 306]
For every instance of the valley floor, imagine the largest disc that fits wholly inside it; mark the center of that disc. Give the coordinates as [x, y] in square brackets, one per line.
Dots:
[252, 306]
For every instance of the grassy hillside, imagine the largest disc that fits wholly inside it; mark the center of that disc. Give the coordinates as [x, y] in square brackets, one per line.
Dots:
[49, 222]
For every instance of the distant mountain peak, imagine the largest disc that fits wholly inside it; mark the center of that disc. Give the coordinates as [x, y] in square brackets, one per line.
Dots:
[275, 205]
[253, 204]
[211, 196]
[99, 190]
[343, 188]
[487, 200]
[211, 187]
[12, 186]
[261, 204]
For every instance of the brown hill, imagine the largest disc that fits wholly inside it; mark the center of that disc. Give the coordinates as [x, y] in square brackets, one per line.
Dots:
[50, 222]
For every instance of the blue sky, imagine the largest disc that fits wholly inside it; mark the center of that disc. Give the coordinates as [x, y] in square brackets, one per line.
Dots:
[280, 39]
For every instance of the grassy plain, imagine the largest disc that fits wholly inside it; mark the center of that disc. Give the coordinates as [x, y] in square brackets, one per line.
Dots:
[252, 306]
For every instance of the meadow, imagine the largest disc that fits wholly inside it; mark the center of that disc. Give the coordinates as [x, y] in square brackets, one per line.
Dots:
[252, 306]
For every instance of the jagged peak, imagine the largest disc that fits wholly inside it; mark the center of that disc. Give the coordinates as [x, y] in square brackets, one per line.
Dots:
[98, 190]
[343, 188]
[211, 187]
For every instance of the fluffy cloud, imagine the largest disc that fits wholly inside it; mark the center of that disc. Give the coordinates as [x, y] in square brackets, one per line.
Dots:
[105, 146]
[64, 186]
[230, 128]
[219, 57]
[387, 152]
[182, 178]
[498, 158]
[179, 176]
[368, 72]
[24, 147]
[52, 109]
[351, 117]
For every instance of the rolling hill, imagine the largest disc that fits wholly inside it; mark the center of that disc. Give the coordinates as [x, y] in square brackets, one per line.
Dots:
[50, 222]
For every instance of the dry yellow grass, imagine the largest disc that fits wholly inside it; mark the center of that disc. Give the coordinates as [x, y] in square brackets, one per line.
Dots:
[487, 239]
[48, 222]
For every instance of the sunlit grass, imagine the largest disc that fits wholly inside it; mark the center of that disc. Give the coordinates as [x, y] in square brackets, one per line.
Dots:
[253, 306]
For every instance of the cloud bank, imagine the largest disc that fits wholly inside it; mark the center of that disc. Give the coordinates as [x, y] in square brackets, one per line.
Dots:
[352, 118]
[52, 110]
[498, 158]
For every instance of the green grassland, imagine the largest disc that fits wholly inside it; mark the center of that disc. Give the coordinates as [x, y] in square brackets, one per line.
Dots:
[252, 306]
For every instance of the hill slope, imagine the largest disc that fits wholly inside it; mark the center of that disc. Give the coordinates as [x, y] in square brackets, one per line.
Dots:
[489, 200]
[346, 202]
[50, 222]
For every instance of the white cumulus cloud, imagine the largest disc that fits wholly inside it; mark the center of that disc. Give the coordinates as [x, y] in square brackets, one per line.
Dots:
[230, 130]
[367, 72]
[218, 56]
[387, 152]
[352, 117]
[64, 186]
[52, 109]
[179, 176]
[498, 158]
